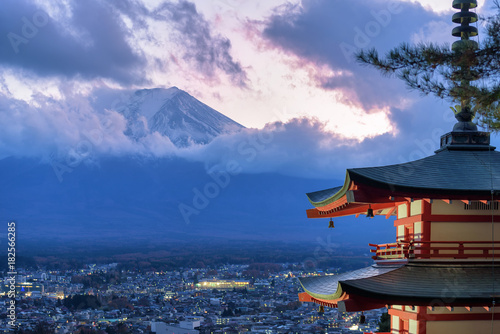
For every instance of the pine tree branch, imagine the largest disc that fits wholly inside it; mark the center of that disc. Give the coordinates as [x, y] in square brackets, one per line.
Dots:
[466, 74]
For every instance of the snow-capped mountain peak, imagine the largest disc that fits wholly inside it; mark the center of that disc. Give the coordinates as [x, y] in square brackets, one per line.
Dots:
[174, 113]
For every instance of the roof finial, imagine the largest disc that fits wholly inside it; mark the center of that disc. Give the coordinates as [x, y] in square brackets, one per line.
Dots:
[466, 48]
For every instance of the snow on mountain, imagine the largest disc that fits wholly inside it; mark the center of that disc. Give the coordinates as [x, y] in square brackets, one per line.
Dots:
[175, 114]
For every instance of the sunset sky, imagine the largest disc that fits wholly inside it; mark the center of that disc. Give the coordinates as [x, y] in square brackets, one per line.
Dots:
[281, 67]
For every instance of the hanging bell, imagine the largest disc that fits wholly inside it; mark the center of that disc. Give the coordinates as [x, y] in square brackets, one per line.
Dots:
[321, 309]
[369, 213]
[331, 224]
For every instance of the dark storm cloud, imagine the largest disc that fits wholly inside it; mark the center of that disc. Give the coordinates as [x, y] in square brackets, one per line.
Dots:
[330, 32]
[208, 52]
[93, 42]
[34, 41]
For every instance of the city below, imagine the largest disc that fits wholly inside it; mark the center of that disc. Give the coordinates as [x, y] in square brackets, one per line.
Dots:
[232, 298]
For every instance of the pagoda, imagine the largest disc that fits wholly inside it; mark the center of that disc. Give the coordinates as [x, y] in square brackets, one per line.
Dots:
[440, 275]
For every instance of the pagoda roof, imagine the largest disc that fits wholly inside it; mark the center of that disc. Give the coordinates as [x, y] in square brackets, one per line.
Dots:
[466, 173]
[323, 195]
[411, 284]
[330, 287]
[445, 172]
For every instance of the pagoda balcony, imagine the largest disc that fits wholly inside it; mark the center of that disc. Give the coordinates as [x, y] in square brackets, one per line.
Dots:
[435, 250]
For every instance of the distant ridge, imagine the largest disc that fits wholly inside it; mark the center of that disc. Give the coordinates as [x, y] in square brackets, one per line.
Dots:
[175, 114]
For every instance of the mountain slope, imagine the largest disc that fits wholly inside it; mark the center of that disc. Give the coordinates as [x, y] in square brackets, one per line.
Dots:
[125, 200]
[175, 114]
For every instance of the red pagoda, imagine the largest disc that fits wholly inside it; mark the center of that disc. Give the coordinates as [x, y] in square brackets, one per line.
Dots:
[440, 276]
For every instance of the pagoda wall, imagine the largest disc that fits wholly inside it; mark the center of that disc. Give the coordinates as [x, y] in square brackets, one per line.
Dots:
[406, 319]
[440, 207]
[440, 319]
[412, 229]
[462, 327]
[465, 222]
[442, 220]
[410, 209]
[459, 231]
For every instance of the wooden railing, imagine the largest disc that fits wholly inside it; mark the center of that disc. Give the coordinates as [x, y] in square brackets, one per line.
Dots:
[436, 250]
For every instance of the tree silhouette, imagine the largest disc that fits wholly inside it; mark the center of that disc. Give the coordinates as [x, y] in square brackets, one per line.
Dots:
[448, 73]
[81, 302]
[40, 328]
[195, 279]
[384, 325]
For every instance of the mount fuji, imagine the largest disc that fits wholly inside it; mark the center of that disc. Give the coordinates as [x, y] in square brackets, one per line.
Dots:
[130, 199]
[175, 114]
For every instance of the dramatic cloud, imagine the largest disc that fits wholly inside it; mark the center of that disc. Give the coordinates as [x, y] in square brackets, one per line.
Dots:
[330, 32]
[75, 130]
[96, 45]
[303, 147]
[54, 127]
[95, 39]
[208, 52]
[350, 115]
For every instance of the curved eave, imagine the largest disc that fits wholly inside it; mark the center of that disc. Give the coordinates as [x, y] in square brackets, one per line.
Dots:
[467, 174]
[332, 287]
[391, 298]
[334, 197]
[427, 192]
[332, 298]
[417, 284]
[349, 209]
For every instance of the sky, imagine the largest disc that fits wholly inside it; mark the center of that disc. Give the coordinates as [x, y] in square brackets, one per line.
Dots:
[283, 69]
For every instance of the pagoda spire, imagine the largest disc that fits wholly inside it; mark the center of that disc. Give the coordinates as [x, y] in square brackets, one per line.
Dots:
[465, 49]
